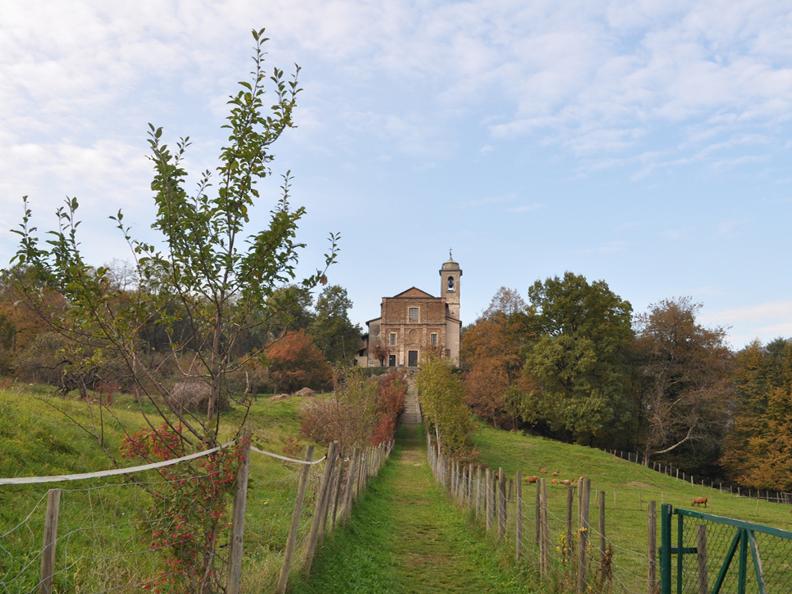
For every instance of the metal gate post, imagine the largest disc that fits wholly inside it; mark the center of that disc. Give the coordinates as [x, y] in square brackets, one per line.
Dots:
[680, 552]
[665, 548]
[743, 567]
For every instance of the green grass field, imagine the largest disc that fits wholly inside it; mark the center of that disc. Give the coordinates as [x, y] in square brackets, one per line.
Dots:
[628, 487]
[102, 544]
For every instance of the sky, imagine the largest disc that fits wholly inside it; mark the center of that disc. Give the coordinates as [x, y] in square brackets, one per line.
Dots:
[645, 143]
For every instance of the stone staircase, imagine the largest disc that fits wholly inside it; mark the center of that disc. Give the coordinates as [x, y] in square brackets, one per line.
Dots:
[412, 410]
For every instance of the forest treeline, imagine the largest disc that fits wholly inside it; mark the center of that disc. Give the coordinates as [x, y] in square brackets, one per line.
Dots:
[294, 342]
[574, 362]
[571, 361]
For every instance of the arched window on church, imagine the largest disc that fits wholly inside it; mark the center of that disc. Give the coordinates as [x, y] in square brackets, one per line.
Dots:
[450, 284]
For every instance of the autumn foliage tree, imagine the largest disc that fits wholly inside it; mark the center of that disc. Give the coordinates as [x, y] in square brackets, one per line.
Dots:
[493, 352]
[296, 362]
[686, 392]
[758, 446]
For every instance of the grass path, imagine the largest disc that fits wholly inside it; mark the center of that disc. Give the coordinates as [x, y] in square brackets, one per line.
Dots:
[405, 536]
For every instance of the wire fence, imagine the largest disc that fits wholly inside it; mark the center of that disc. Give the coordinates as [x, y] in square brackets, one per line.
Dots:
[96, 535]
[769, 495]
[557, 529]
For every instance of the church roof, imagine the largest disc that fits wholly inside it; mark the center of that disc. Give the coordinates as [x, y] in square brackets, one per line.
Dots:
[414, 293]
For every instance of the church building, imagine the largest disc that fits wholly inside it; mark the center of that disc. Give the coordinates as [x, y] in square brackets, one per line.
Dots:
[414, 323]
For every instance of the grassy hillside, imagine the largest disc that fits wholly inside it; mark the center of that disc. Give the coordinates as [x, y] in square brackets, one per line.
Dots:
[102, 539]
[628, 487]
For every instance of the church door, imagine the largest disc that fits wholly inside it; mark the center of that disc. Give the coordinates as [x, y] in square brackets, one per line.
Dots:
[412, 358]
[391, 360]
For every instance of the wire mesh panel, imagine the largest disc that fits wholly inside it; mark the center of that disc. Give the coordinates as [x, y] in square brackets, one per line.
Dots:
[704, 553]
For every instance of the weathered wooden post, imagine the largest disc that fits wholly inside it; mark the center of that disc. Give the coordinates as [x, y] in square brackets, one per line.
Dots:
[321, 502]
[601, 504]
[328, 491]
[493, 491]
[487, 500]
[478, 491]
[544, 536]
[570, 544]
[652, 550]
[337, 497]
[238, 521]
[501, 504]
[518, 516]
[295, 522]
[701, 556]
[50, 541]
[349, 489]
[538, 511]
[584, 486]
[332, 496]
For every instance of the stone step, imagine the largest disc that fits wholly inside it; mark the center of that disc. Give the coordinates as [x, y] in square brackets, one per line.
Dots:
[412, 408]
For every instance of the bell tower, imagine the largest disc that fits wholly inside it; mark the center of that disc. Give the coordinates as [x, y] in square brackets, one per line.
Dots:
[450, 285]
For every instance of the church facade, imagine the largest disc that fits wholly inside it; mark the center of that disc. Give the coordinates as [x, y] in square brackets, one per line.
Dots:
[414, 324]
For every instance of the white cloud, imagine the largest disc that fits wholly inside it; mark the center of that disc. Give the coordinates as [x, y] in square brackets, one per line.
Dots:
[643, 85]
[761, 312]
[523, 208]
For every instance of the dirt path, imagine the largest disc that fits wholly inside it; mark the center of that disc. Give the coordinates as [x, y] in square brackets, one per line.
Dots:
[406, 536]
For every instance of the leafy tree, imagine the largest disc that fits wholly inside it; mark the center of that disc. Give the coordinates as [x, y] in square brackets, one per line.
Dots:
[295, 362]
[578, 378]
[493, 353]
[208, 262]
[500, 336]
[505, 301]
[442, 401]
[335, 335]
[289, 308]
[757, 449]
[487, 390]
[686, 395]
[7, 334]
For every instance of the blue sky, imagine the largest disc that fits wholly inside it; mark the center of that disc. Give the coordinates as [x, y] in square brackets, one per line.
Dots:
[646, 143]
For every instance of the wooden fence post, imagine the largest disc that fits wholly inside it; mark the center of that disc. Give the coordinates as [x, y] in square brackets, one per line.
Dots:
[238, 522]
[537, 511]
[338, 490]
[50, 541]
[321, 498]
[569, 548]
[601, 503]
[701, 556]
[478, 491]
[583, 529]
[328, 492]
[544, 536]
[487, 523]
[469, 491]
[518, 516]
[295, 523]
[350, 485]
[493, 491]
[652, 550]
[501, 504]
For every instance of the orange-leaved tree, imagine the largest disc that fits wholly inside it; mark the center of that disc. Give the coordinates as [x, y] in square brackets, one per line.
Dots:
[296, 362]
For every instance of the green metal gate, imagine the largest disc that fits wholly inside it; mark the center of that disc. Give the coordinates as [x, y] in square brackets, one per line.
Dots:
[702, 553]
